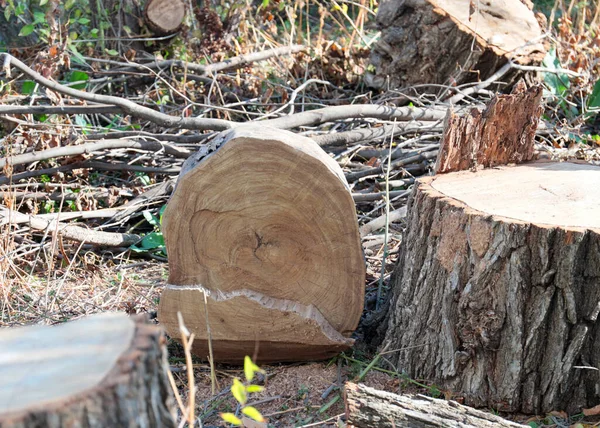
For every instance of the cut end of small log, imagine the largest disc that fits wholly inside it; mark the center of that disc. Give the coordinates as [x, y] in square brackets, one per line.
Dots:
[164, 16]
[503, 133]
[264, 250]
[87, 372]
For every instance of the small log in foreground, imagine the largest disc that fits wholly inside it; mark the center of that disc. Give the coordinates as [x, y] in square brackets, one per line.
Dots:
[451, 42]
[368, 407]
[164, 16]
[496, 293]
[263, 230]
[103, 371]
[501, 134]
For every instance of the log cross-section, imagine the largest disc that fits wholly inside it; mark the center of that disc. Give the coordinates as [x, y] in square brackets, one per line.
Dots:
[107, 370]
[263, 243]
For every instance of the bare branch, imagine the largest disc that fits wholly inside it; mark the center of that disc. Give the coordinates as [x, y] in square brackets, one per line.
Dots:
[69, 231]
[355, 111]
[154, 146]
[128, 106]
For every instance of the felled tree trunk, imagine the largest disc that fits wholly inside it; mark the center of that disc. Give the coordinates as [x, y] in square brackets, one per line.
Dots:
[264, 250]
[496, 294]
[368, 407]
[451, 42]
[107, 370]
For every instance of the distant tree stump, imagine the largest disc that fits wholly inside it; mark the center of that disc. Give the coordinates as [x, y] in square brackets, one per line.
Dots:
[164, 16]
[496, 294]
[451, 42]
[264, 228]
[107, 370]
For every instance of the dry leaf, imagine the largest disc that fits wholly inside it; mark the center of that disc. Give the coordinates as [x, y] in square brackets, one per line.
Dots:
[593, 411]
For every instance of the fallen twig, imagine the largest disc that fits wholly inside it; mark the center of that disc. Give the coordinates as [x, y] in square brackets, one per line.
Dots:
[355, 111]
[353, 176]
[231, 63]
[69, 231]
[155, 146]
[365, 135]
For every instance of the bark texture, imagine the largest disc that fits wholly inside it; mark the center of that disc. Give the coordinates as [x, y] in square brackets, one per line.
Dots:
[368, 407]
[451, 42]
[502, 311]
[501, 134]
[133, 391]
[264, 250]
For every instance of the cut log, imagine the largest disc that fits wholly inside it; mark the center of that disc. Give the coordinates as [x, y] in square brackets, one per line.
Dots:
[496, 294]
[107, 370]
[164, 16]
[451, 42]
[265, 227]
[503, 133]
[368, 407]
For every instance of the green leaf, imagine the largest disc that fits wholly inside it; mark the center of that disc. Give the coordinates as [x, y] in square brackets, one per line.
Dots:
[230, 418]
[239, 391]
[152, 219]
[26, 30]
[161, 213]
[43, 2]
[111, 52]
[39, 17]
[78, 76]
[152, 240]
[252, 413]
[254, 388]
[594, 100]
[69, 4]
[83, 21]
[7, 12]
[250, 368]
[27, 87]
[557, 82]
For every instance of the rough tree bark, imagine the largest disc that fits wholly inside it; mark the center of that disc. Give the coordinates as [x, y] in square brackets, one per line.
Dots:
[368, 407]
[503, 133]
[451, 42]
[108, 370]
[496, 294]
[262, 227]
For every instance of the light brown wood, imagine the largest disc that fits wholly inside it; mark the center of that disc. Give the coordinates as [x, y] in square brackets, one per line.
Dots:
[503, 133]
[164, 16]
[496, 294]
[266, 227]
[103, 371]
[451, 42]
[368, 407]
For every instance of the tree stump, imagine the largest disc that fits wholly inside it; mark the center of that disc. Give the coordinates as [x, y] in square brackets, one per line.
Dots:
[262, 231]
[368, 407]
[164, 16]
[452, 42]
[107, 370]
[496, 294]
